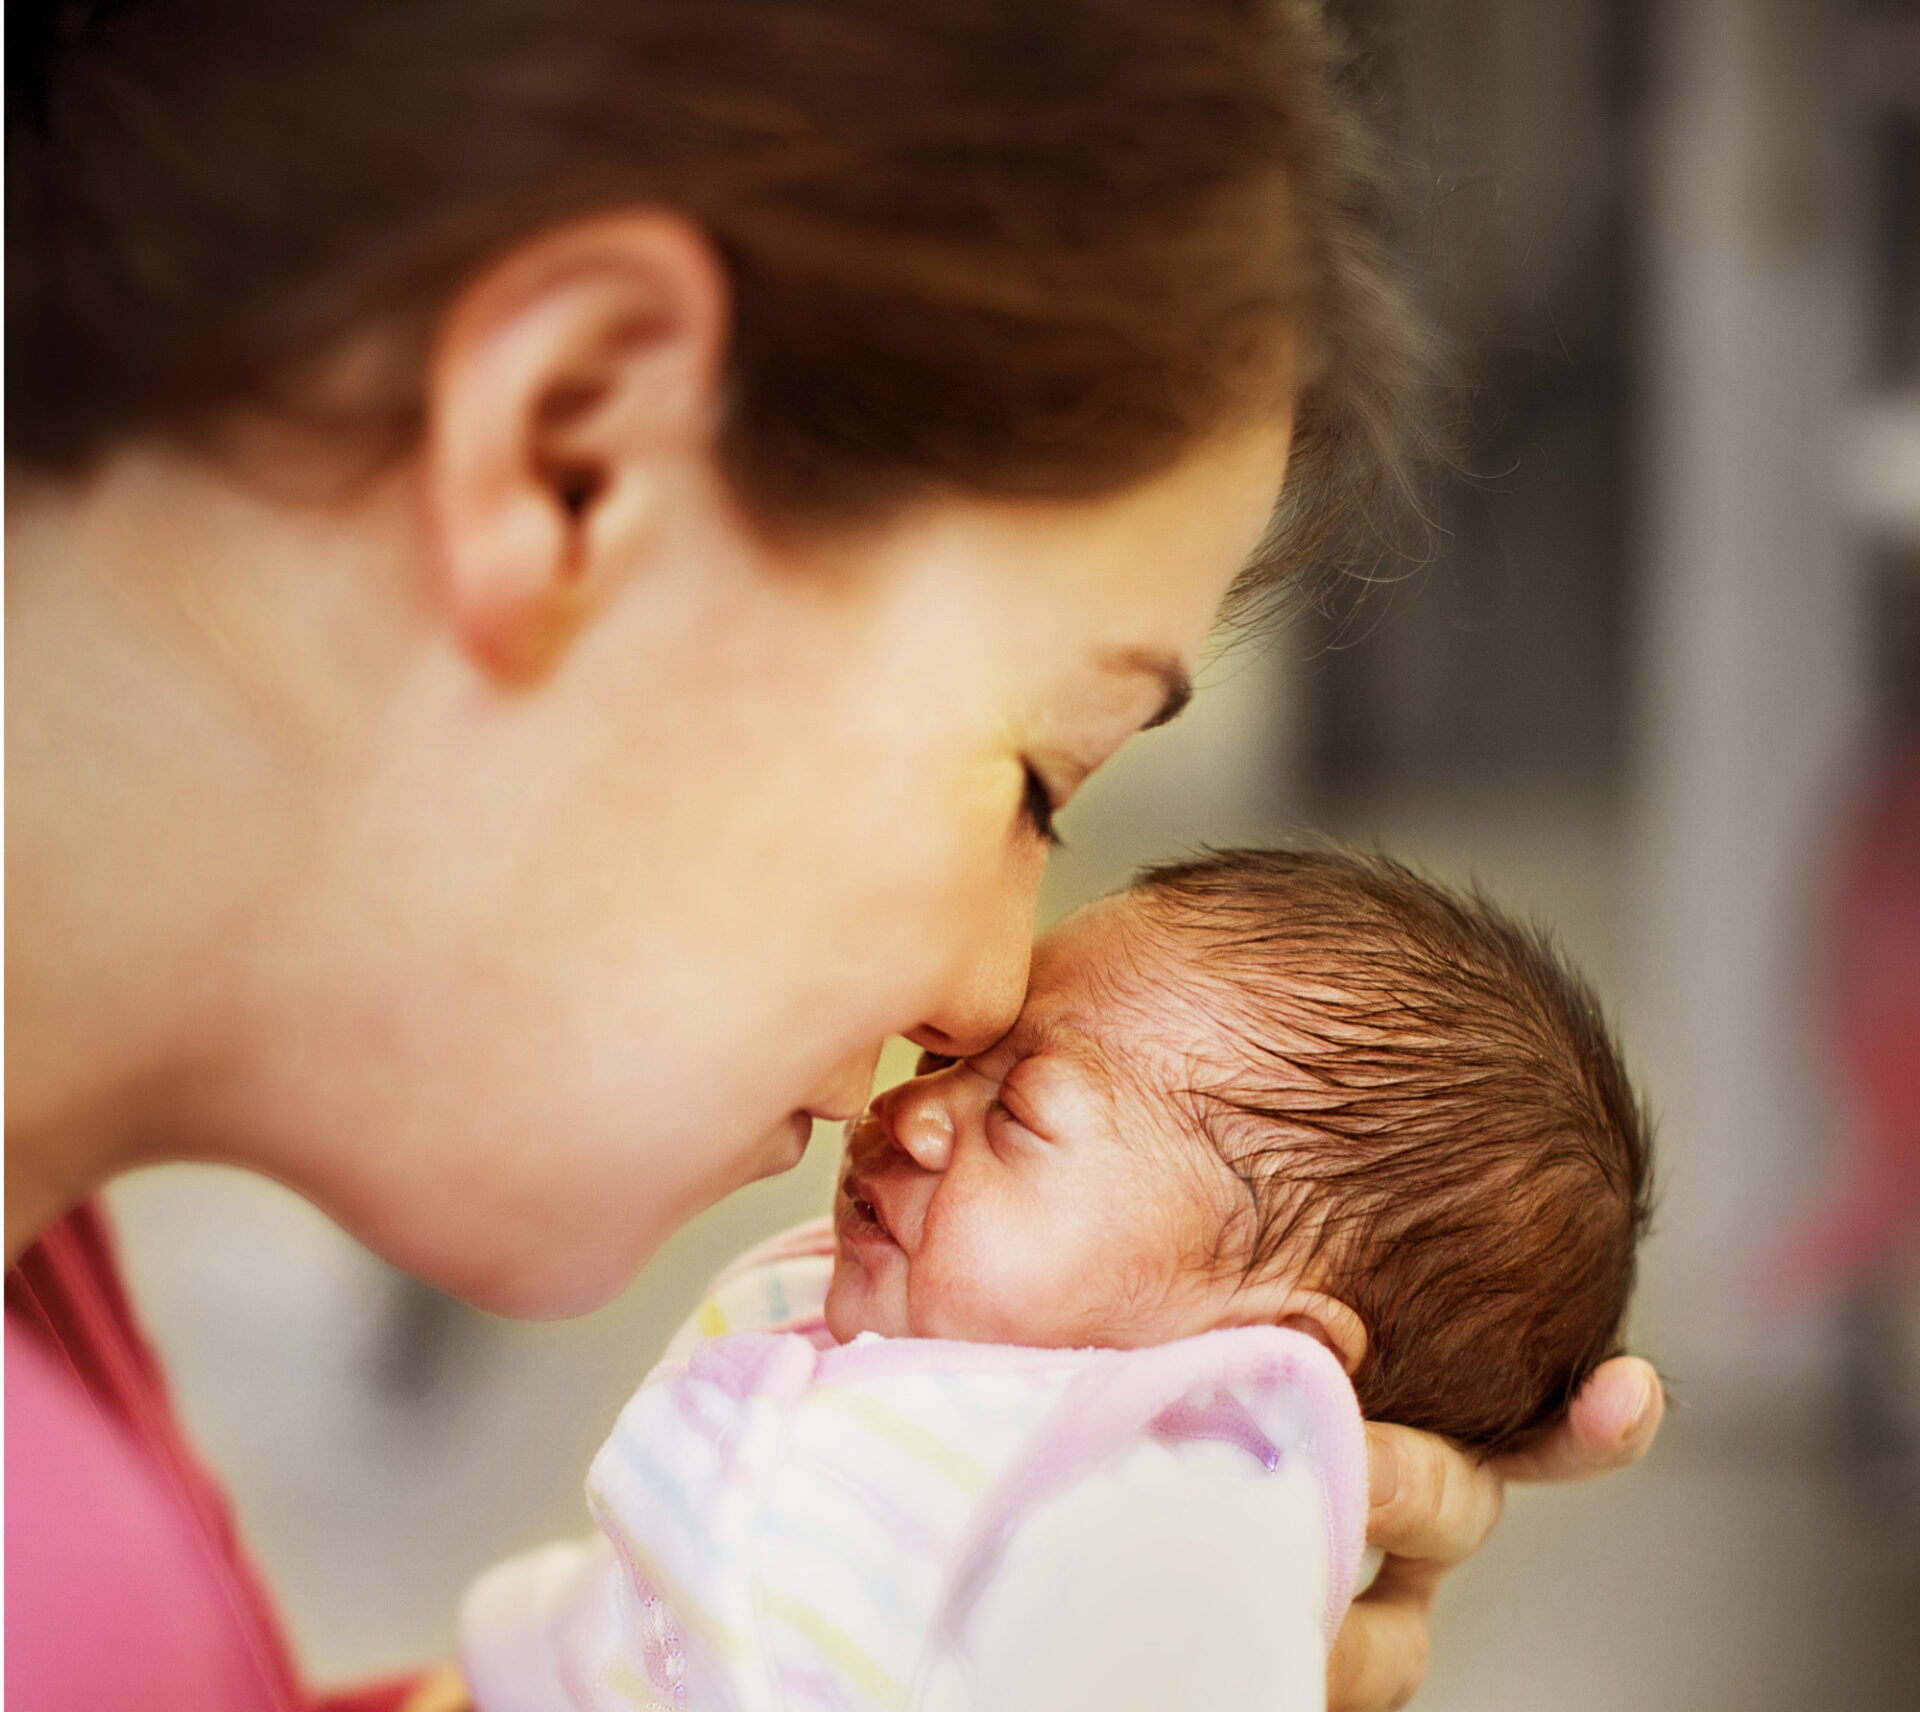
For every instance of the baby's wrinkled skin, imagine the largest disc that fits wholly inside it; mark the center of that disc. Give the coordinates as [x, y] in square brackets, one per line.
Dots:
[1052, 1190]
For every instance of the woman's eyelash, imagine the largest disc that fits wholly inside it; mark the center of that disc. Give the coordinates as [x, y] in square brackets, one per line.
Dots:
[932, 1061]
[1037, 805]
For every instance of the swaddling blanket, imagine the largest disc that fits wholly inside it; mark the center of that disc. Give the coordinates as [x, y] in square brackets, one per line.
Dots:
[948, 1527]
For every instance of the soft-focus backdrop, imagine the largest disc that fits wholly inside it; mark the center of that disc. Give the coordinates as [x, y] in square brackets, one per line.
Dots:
[1644, 677]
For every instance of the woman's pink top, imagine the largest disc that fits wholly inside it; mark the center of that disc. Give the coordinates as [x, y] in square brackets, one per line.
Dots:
[126, 1583]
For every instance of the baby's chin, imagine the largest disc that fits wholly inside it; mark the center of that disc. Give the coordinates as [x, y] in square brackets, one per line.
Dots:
[843, 1321]
[857, 1303]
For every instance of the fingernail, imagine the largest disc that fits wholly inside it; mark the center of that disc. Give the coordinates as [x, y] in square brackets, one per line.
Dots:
[1383, 1474]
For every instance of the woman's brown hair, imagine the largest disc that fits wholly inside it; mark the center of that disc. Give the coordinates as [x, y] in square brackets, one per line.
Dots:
[981, 246]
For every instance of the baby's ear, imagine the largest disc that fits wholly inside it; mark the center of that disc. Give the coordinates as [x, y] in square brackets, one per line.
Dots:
[1333, 1323]
[1322, 1317]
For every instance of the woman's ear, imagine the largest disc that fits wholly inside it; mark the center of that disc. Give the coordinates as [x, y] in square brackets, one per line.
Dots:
[573, 382]
[1322, 1317]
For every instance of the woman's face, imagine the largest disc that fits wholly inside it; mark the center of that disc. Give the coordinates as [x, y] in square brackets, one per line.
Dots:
[581, 956]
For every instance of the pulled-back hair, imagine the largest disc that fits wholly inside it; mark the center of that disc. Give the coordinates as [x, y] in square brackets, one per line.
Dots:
[1432, 1124]
[976, 246]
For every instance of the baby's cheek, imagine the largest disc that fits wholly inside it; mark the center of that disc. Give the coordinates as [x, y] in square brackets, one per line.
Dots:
[959, 1288]
[944, 1300]
[842, 1309]
[1007, 1287]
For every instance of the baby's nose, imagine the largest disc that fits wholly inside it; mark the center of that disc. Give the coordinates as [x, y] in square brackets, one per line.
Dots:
[920, 1127]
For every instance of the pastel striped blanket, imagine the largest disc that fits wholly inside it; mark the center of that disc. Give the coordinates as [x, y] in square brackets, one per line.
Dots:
[943, 1527]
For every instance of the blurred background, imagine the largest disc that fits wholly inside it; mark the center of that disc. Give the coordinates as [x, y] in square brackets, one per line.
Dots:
[1656, 681]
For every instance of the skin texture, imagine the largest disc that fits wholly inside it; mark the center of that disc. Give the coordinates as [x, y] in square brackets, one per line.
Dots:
[1050, 1190]
[512, 848]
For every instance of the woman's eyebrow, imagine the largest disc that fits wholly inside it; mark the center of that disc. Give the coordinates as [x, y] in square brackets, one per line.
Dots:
[1176, 685]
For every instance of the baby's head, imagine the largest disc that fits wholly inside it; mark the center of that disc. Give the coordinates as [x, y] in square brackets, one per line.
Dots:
[1274, 1087]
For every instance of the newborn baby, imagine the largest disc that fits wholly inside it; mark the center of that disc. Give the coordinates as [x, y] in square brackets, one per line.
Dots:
[1073, 1357]
[1274, 1088]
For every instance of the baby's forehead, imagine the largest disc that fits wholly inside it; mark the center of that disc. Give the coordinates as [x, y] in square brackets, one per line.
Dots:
[1157, 1004]
[1111, 982]
[1123, 945]
[1115, 1006]
[1106, 950]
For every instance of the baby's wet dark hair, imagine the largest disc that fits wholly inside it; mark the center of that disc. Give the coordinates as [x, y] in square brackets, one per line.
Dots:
[1432, 1123]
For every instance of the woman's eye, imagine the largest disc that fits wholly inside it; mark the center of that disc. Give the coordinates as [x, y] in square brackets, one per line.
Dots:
[929, 1062]
[1037, 806]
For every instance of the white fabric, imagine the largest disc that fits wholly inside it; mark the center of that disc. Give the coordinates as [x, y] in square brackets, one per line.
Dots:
[944, 1528]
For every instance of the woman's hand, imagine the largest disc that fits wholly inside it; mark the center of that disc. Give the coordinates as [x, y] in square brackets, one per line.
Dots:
[1433, 1507]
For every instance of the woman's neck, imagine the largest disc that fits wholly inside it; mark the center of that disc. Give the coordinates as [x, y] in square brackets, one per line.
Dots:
[163, 730]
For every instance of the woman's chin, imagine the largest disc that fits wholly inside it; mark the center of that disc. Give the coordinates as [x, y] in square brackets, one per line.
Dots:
[783, 1146]
[525, 1274]
[546, 1292]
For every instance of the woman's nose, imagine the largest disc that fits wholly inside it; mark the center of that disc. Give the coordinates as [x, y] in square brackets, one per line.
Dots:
[984, 1002]
[918, 1123]
[842, 1093]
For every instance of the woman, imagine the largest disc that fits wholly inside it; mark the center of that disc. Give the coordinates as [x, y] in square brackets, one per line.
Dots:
[563, 557]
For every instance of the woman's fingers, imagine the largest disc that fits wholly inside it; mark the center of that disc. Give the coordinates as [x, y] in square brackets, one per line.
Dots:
[1431, 1504]
[1380, 1657]
[1611, 1424]
[1430, 1507]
